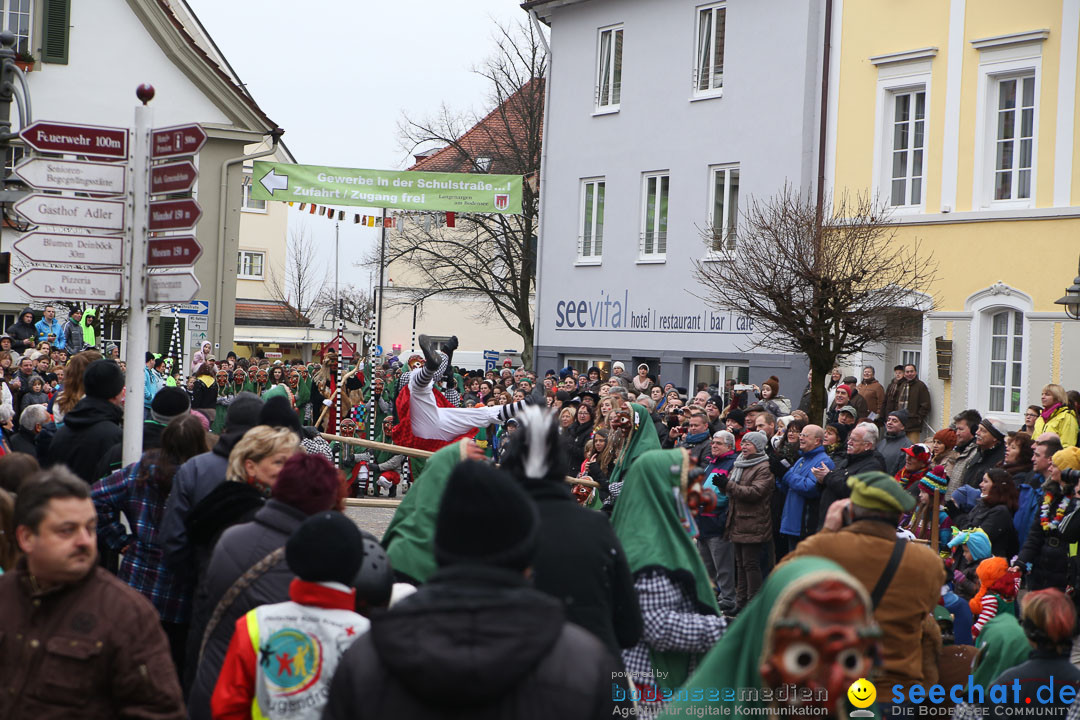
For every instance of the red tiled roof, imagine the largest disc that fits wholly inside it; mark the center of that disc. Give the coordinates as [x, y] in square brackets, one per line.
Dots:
[493, 137]
[264, 312]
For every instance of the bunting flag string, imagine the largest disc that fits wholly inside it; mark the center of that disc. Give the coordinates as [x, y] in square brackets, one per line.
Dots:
[389, 222]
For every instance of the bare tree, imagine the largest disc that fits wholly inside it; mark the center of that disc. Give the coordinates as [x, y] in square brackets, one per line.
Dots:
[303, 279]
[356, 304]
[825, 287]
[491, 256]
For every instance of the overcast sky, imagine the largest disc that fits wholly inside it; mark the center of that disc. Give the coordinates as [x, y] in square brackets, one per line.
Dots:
[337, 75]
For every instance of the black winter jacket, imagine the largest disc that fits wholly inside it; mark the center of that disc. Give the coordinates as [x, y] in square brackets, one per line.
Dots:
[984, 460]
[1048, 553]
[21, 331]
[596, 589]
[474, 642]
[91, 427]
[834, 487]
[997, 521]
[240, 547]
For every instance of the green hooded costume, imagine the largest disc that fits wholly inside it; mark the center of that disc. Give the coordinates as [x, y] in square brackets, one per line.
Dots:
[410, 537]
[87, 324]
[643, 438]
[735, 662]
[1001, 645]
[648, 524]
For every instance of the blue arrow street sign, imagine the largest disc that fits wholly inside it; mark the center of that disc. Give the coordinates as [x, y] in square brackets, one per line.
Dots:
[378, 351]
[195, 307]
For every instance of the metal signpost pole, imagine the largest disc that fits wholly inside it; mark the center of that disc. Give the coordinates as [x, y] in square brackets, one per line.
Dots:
[135, 287]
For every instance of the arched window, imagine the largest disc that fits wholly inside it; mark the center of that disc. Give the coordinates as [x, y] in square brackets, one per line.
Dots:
[998, 359]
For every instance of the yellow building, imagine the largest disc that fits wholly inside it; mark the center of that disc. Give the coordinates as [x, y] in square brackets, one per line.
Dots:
[962, 116]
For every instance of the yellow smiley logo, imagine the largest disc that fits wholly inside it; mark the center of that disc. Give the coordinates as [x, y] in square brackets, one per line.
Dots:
[862, 693]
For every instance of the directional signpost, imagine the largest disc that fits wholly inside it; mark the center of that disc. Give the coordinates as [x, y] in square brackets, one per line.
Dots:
[74, 139]
[90, 177]
[171, 287]
[115, 230]
[174, 214]
[74, 249]
[84, 285]
[177, 141]
[172, 178]
[173, 251]
[195, 307]
[72, 212]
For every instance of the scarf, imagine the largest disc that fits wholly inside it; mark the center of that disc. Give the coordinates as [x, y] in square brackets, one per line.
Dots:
[696, 438]
[1048, 413]
[742, 462]
[902, 401]
[647, 520]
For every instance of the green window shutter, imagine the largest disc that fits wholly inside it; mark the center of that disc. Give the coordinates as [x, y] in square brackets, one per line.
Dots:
[56, 31]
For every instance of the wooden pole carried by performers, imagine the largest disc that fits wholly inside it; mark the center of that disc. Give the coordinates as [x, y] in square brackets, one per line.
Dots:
[417, 453]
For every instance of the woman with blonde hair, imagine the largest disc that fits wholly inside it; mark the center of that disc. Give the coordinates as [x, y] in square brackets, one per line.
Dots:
[1057, 416]
[257, 459]
[73, 390]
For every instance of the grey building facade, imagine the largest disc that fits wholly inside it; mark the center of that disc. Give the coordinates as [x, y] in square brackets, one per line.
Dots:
[664, 117]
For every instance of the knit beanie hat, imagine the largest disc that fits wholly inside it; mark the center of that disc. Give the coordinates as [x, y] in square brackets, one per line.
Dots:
[103, 379]
[1067, 459]
[774, 383]
[901, 415]
[946, 437]
[995, 427]
[243, 412]
[485, 519]
[757, 439]
[308, 483]
[994, 576]
[737, 416]
[976, 539]
[935, 479]
[170, 402]
[877, 491]
[617, 366]
[845, 387]
[327, 547]
[374, 581]
[277, 412]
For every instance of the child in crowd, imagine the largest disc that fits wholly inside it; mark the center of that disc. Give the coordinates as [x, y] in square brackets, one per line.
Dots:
[997, 590]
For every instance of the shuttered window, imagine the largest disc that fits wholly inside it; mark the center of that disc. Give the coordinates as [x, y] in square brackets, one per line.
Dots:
[55, 33]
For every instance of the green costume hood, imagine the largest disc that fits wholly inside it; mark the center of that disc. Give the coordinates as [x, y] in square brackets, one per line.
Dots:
[410, 537]
[647, 522]
[735, 661]
[643, 438]
[1001, 645]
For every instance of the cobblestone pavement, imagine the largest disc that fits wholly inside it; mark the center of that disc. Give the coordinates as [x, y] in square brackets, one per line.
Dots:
[372, 519]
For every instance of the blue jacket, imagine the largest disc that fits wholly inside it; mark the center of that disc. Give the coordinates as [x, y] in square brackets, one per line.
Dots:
[44, 328]
[152, 382]
[1031, 497]
[802, 486]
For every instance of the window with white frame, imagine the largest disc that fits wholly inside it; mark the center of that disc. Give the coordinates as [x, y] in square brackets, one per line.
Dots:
[591, 239]
[248, 203]
[715, 373]
[1014, 136]
[1006, 359]
[908, 147]
[582, 364]
[609, 69]
[250, 265]
[654, 216]
[17, 18]
[724, 207]
[709, 52]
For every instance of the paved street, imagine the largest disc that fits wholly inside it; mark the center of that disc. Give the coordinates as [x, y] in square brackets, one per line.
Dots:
[372, 519]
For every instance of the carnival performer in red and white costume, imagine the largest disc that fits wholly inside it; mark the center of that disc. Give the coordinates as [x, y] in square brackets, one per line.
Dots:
[427, 420]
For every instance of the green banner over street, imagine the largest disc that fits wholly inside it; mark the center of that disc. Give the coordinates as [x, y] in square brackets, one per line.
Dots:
[404, 190]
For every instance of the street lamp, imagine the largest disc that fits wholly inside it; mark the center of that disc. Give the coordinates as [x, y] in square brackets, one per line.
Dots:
[1071, 299]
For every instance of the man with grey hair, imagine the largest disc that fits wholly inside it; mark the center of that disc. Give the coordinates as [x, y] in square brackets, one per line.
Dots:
[799, 518]
[619, 397]
[860, 457]
[33, 418]
[716, 551]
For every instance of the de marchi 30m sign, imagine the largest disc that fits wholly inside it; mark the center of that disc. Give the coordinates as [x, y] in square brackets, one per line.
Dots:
[406, 190]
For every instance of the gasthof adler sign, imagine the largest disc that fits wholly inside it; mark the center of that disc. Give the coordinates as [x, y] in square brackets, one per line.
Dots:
[406, 190]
